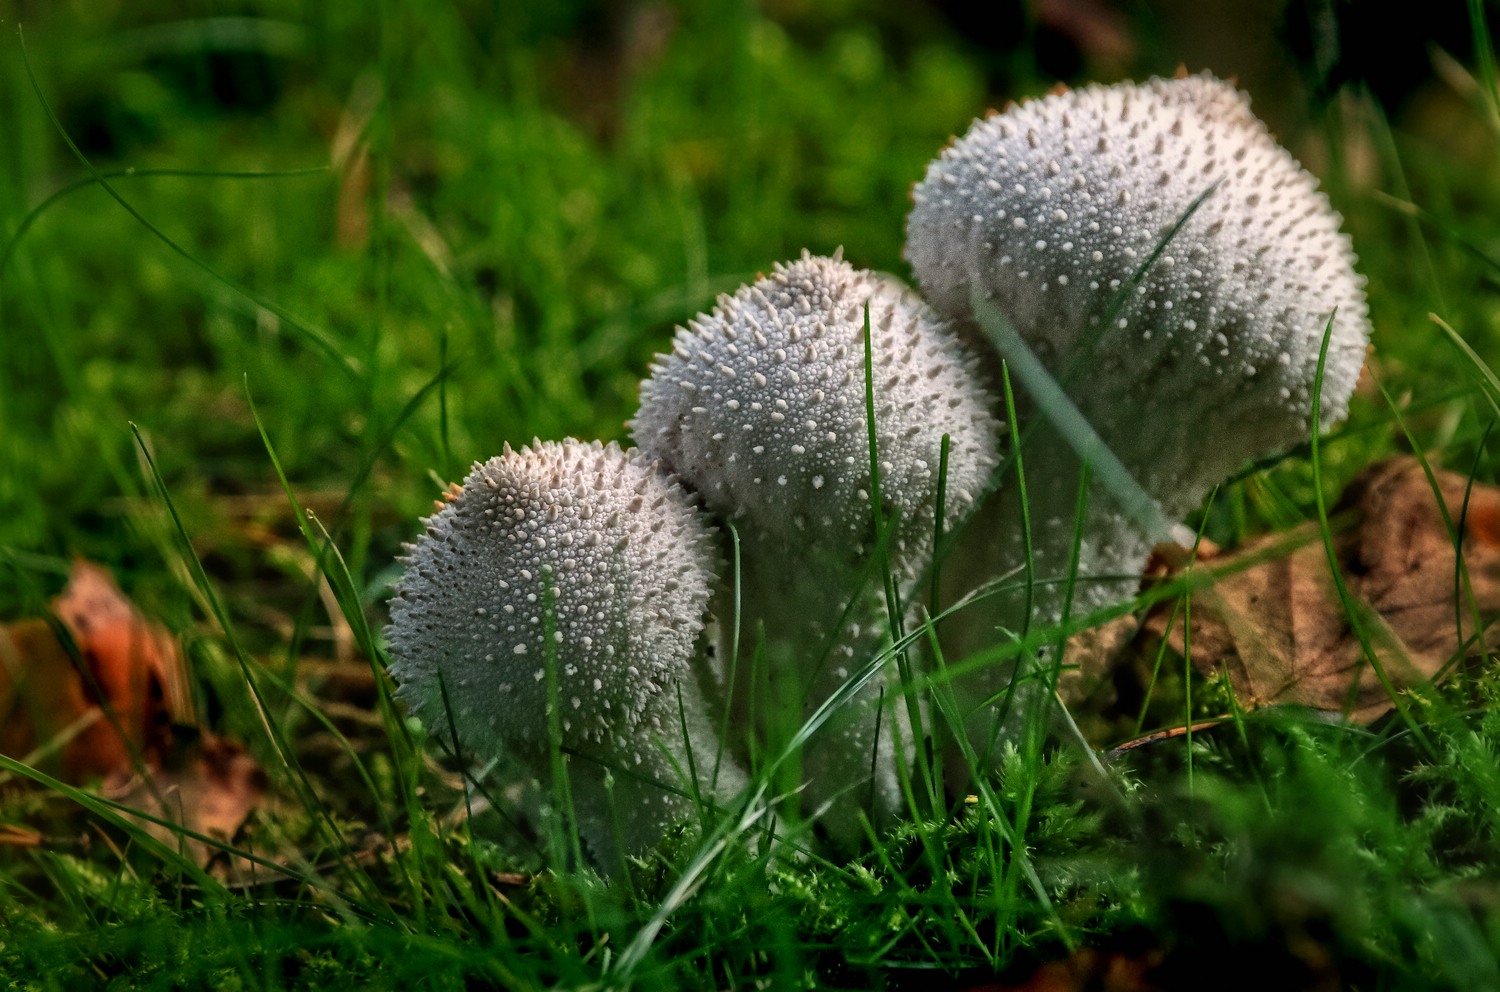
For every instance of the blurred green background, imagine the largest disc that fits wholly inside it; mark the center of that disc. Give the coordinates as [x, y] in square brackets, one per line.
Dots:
[322, 207]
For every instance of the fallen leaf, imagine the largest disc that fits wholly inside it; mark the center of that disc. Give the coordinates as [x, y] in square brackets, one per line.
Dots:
[1274, 621]
[43, 707]
[96, 709]
[210, 791]
[103, 706]
[1091, 658]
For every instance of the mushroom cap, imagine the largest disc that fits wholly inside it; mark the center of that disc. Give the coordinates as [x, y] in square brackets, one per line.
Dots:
[588, 541]
[1051, 209]
[761, 406]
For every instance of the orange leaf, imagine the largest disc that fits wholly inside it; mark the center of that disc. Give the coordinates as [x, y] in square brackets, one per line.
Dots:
[98, 710]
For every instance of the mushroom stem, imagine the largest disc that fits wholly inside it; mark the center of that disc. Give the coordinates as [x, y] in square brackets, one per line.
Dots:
[1084, 552]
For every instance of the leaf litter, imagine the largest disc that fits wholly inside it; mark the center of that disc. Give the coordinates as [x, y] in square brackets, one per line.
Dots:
[99, 692]
[1423, 577]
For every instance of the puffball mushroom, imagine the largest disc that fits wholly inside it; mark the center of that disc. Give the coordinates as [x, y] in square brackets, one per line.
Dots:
[589, 561]
[760, 407]
[1186, 365]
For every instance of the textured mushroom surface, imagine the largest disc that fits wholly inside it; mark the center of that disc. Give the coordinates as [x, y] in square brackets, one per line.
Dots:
[578, 556]
[1189, 364]
[761, 407]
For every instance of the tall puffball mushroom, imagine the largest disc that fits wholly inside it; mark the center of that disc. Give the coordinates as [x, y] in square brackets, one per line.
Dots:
[1173, 270]
[761, 407]
[578, 573]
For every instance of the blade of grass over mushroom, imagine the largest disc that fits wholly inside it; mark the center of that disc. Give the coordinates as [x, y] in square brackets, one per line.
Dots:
[736, 592]
[931, 786]
[1052, 697]
[938, 531]
[1079, 361]
[1023, 498]
[1053, 402]
[314, 336]
[321, 816]
[564, 837]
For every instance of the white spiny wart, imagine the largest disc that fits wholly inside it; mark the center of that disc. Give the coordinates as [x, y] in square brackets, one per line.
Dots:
[1051, 209]
[575, 555]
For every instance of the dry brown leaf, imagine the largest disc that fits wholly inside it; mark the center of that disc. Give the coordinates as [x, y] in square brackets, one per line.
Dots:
[98, 712]
[1091, 657]
[104, 711]
[43, 705]
[212, 793]
[1273, 619]
[125, 650]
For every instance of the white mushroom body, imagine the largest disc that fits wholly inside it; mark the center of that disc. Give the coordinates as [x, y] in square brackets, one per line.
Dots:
[575, 572]
[761, 407]
[1188, 366]
[1052, 209]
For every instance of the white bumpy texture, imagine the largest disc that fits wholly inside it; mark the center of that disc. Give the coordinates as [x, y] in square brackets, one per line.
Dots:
[596, 548]
[1052, 209]
[761, 407]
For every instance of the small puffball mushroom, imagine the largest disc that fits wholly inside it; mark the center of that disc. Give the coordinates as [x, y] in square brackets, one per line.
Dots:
[761, 407]
[573, 569]
[1189, 350]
